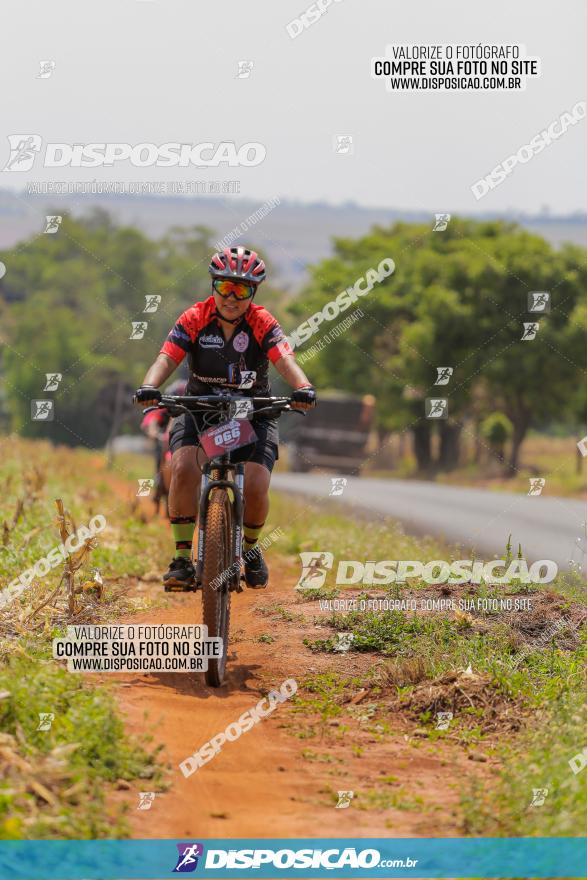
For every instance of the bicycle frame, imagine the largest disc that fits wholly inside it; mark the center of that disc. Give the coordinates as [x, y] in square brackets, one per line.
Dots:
[229, 477]
[223, 464]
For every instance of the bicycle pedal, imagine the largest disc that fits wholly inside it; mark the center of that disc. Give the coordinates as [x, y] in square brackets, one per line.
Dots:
[175, 588]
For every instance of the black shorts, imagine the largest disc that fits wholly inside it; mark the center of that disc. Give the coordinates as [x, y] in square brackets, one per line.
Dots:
[264, 451]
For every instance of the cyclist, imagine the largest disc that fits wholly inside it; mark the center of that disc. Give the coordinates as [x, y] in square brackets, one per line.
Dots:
[229, 341]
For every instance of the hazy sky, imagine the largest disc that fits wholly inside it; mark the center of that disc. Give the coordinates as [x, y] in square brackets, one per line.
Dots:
[166, 70]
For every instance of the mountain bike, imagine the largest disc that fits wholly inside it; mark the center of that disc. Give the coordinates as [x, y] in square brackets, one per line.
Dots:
[227, 427]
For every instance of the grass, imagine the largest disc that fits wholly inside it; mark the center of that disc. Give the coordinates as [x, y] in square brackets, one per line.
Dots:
[541, 675]
[308, 526]
[277, 610]
[128, 546]
[547, 678]
[55, 783]
[66, 773]
[539, 760]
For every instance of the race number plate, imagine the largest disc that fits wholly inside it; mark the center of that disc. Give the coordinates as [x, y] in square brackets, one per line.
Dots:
[228, 436]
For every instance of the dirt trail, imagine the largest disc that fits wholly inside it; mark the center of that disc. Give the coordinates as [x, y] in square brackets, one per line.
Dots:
[262, 785]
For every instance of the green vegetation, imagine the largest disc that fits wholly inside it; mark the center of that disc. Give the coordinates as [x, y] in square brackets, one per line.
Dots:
[457, 299]
[55, 782]
[543, 671]
[342, 537]
[84, 287]
[500, 675]
[496, 430]
[538, 760]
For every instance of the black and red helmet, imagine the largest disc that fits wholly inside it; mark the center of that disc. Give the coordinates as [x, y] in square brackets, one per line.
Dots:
[238, 264]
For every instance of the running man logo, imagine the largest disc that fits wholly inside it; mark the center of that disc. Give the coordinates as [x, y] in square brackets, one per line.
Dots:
[530, 330]
[152, 302]
[189, 853]
[23, 151]
[343, 145]
[138, 329]
[46, 719]
[579, 761]
[244, 69]
[539, 301]
[443, 720]
[52, 223]
[146, 799]
[314, 568]
[444, 375]
[338, 485]
[42, 410]
[344, 642]
[441, 222]
[145, 487]
[436, 408]
[46, 69]
[52, 381]
[240, 409]
[537, 484]
[247, 378]
[539, 795]
[344, 799]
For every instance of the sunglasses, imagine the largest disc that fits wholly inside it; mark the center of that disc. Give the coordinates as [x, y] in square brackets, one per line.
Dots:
[239, 290]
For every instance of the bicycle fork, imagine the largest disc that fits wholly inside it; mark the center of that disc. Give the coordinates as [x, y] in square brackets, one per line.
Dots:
[237, 488]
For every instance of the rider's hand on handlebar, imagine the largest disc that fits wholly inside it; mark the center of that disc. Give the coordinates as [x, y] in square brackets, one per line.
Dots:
[304, 398]
[147, 395]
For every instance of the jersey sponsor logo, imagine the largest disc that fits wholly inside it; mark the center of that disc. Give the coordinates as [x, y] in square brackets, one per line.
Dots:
[210, 380]
[276, 335]
[211, 340]
[241, 341]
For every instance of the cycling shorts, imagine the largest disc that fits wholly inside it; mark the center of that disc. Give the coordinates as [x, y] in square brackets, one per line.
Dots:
[264, 451]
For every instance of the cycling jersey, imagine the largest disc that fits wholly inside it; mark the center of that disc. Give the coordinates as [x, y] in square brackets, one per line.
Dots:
[239, 362]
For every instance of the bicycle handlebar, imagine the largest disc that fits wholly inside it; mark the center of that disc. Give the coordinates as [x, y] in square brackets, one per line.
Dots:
[218, 402]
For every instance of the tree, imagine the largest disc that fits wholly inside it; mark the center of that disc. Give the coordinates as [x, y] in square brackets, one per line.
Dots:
[456, 299]
[67, 304]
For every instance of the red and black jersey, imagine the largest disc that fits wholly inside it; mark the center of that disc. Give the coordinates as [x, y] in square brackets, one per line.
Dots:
[239, 362]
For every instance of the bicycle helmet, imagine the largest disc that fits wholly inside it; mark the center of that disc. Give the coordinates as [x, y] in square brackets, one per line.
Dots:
[238, 264]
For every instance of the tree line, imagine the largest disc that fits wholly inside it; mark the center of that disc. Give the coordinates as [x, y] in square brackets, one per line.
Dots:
[457, 298]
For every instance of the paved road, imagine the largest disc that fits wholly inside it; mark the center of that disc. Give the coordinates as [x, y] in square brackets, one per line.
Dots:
[546, 526]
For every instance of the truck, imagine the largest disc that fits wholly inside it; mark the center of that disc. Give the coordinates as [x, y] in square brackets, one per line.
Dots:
[334, 435]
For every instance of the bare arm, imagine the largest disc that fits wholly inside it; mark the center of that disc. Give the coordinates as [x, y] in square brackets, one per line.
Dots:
[156, 375]
[293, 374]
[159, 371]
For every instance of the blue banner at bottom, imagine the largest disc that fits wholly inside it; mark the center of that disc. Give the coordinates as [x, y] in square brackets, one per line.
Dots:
[303, 858]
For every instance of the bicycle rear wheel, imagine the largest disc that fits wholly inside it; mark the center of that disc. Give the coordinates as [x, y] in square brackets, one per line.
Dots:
[215, 586]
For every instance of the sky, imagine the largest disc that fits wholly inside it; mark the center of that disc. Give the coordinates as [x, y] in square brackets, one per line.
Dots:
[159, 71]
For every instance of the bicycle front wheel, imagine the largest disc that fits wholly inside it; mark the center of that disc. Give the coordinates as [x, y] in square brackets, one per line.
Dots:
[216, 579]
